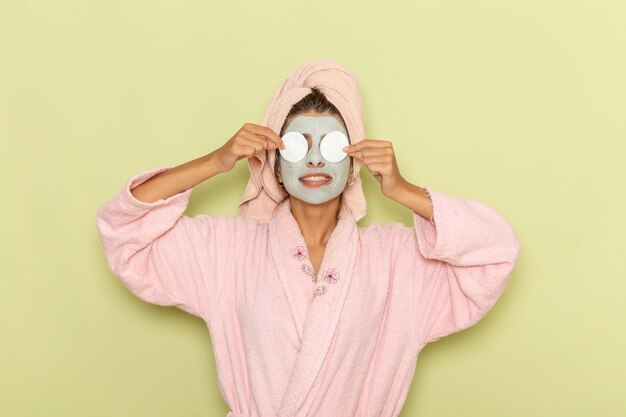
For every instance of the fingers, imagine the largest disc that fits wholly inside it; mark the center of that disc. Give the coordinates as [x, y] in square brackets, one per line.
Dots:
[247, 148]
[253, 141]
[266, 133]
[382, 159]
[366, 153]
[379, 159]
[369, 143]
[369, 147]
[257, 142]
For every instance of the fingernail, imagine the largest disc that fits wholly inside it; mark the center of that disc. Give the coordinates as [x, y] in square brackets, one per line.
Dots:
[345, 148]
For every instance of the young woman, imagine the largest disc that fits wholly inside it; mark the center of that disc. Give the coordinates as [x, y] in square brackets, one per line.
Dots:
[309, 314]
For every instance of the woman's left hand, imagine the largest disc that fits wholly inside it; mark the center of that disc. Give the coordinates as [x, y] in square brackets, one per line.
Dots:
[379, 158]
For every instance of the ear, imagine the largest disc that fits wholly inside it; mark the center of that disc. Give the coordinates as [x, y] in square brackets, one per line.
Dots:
[279, 175]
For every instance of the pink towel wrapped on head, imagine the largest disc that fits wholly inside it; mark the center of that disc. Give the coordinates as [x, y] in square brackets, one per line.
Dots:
[292, 343]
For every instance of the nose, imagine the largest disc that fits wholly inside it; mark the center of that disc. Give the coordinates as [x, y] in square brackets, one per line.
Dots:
[314, 157]
[318, 164]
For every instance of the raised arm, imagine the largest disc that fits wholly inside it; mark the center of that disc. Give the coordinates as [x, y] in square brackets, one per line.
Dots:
[464, 263]
[248, 140]
[163, 256]
[457, 258]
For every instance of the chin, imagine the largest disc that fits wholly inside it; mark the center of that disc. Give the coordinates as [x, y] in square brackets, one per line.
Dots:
[315, 203]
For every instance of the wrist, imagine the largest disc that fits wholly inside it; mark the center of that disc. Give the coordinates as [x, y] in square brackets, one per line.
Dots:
[214, 163]
[401, 191]
[415, 198]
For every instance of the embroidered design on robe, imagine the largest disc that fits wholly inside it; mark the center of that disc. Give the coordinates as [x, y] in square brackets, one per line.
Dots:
[308, 271]
[299, 253]
[330, 275]
[321, 290]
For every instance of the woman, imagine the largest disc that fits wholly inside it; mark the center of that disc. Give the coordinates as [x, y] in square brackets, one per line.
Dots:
[308, 313]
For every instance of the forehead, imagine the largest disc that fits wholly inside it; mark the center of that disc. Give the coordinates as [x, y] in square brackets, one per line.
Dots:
[315, 124]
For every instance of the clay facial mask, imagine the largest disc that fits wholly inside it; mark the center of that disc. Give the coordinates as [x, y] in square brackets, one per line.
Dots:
[313, 165]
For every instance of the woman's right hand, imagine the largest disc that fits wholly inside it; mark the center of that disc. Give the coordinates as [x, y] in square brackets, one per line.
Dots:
[248, 140]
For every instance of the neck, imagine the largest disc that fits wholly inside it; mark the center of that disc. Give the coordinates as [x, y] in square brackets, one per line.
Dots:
[316, 221]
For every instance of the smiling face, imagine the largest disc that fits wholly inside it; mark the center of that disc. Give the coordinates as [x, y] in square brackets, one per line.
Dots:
[313, 179]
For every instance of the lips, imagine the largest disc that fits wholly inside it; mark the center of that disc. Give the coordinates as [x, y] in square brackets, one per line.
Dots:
[315, 179]
[316, 174]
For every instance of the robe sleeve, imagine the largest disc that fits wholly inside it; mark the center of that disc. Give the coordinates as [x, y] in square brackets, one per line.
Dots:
[163, 256]
[469, 254]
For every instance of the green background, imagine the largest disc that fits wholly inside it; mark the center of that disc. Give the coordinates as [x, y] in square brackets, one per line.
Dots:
[518, 104]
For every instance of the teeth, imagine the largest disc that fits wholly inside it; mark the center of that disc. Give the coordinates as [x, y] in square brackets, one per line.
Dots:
[315, 178]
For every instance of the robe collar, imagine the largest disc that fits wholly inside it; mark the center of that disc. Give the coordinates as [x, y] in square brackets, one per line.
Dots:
[316, 301]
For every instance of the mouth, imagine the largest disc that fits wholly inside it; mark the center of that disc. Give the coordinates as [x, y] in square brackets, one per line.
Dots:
[315, 180]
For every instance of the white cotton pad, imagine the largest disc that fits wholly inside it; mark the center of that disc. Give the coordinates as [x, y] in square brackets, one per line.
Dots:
[296, 146]
[331, 146]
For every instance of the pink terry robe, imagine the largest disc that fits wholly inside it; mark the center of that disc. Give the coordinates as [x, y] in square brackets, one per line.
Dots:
[288, 342]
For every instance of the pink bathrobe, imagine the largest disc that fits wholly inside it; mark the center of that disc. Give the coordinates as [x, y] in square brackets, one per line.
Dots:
[288, 342]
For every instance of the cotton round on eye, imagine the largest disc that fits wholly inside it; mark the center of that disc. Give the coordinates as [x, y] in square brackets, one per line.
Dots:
[296, 146]
[331, 147]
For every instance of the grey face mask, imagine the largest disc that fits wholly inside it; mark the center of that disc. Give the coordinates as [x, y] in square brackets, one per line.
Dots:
[314, 128]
